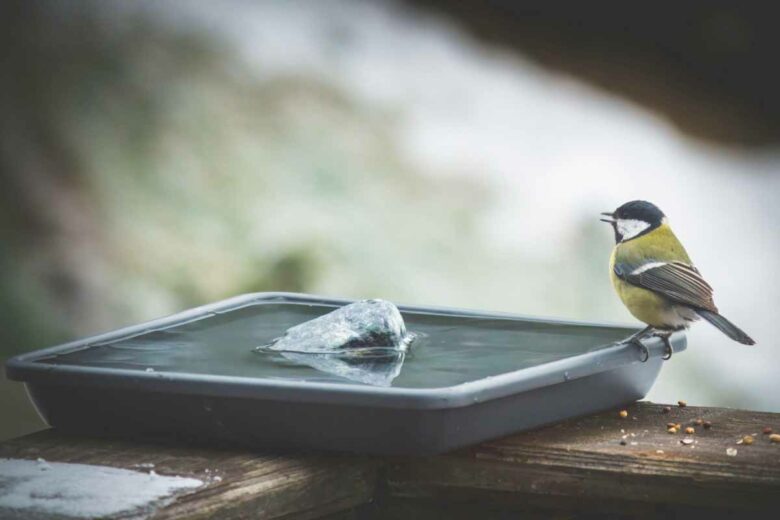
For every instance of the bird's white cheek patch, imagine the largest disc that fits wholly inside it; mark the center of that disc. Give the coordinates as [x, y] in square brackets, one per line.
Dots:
[629, 228]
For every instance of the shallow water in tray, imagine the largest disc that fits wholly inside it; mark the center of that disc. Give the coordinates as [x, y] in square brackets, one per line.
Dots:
[449, 350]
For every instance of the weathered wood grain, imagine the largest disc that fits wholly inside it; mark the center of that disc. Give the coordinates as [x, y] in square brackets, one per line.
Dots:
[584, 460]
[556, 472]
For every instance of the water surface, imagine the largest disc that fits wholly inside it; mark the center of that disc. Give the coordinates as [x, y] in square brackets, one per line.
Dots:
[449, 350]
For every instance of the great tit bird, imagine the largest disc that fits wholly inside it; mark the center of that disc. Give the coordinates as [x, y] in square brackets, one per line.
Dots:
[655, 278]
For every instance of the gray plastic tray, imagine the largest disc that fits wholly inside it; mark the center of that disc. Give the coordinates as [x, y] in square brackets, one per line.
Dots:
[278, 413]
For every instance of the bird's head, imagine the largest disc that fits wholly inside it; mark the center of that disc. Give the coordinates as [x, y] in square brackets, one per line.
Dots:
[634, 219]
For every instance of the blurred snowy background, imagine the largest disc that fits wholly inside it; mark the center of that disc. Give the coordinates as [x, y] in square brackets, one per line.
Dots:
[157, 156]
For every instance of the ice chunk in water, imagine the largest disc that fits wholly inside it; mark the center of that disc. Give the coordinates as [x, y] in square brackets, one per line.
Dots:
[366, 324]
[365, 341]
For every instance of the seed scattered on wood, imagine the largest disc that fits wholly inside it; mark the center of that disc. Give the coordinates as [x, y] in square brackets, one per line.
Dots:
[672, 430]
[775, 438]
[689, 430]
[767, 430]
[698, 422]
[747, 439]
[622, 442]
[686, 441]
[660, 452]
[731, 452]
[671, 425]
[678, 426]
[666, 409]
[623, 414]
[707, 425]
[682, 404]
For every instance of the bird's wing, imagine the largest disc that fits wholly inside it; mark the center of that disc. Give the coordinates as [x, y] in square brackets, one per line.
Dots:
[680, 282]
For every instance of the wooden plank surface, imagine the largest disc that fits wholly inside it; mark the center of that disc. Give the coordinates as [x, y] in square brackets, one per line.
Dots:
[575, 466]
[584, 460]
[239, 483]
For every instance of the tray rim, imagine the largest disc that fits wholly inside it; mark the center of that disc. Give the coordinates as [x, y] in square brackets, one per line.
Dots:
[24, 368]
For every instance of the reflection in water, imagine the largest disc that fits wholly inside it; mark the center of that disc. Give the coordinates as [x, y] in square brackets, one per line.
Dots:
[365, 341]
[372, 366]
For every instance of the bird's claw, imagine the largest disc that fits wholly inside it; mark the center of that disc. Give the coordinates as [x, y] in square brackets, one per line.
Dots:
[636, 340]
[665, 337]
[644, 352]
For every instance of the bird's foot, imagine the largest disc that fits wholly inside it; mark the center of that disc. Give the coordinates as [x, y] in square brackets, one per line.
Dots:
[636, 339]
[644, 353]
[665, 337]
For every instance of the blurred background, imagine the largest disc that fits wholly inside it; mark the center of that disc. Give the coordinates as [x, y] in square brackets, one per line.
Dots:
[156, 156]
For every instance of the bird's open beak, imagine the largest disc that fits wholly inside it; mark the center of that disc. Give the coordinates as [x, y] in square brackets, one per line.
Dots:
[610, 218]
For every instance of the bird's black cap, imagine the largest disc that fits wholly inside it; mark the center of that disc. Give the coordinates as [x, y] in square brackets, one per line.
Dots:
[639, 210]
[635, 210]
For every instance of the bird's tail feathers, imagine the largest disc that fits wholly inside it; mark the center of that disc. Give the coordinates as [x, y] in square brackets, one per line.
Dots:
[726, 327]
